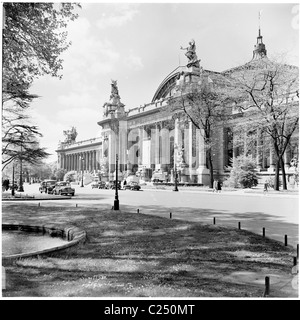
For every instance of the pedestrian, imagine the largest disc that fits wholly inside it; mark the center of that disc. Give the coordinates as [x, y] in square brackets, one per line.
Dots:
[215, 186]
[266, 186]
[219, 186]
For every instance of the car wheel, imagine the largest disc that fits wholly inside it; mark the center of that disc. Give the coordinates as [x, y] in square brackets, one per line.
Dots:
[72, 194]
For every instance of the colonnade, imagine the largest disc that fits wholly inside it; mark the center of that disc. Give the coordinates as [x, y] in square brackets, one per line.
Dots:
[81, 161]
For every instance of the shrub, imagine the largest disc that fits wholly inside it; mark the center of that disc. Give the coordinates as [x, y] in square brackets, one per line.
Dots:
[243, 173]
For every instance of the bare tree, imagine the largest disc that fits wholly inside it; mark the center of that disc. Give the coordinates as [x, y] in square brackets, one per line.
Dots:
[205, 104]
[266, 95]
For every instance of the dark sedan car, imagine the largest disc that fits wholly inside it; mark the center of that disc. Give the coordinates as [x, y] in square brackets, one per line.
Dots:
[112, 185]
[132, 185]
[47, 186]
[63, 188]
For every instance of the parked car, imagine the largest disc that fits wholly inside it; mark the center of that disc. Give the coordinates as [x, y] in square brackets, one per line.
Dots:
[132, 185]
[63, 188]
[15, 186]
[47, 186]
[112, 185]
[159, 177]
[95, 184]
[101, 184]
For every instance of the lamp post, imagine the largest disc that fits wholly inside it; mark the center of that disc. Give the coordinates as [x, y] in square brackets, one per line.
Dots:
[13, 181]
[21, 189]
[82, 161]
[175, 181]
[175, 169]
[116, 201]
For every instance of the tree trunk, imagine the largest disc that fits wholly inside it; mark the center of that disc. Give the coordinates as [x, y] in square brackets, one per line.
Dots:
[284, 184]
[276, 178]
[211, 169]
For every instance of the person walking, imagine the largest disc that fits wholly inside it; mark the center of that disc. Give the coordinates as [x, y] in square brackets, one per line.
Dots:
[266, 186]
[215, 186]
[219, 186]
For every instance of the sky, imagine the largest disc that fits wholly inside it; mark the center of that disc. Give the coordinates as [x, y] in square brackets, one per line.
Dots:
[138, 44]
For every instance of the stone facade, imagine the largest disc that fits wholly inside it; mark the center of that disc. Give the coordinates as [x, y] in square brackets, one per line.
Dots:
[148, 140]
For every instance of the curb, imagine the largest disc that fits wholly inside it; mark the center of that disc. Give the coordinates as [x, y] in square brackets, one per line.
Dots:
[71, 234]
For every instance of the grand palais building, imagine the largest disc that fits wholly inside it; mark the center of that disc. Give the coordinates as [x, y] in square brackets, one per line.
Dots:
[148, 141]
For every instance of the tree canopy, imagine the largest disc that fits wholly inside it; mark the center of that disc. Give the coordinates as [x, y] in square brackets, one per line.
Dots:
[34, 36]
[266, 93]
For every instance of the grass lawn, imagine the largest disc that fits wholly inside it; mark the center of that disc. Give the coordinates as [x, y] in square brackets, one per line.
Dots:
[135, 255]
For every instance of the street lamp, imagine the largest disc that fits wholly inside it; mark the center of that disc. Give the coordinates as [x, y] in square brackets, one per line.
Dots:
[116, 201]
[21, 189]
[82, 161]
[13, 181]
[175, 182]
[175, 169]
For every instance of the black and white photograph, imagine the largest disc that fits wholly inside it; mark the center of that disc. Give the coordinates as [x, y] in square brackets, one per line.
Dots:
[150, 153]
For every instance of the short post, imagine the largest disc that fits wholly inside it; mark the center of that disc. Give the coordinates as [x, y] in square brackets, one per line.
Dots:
[76, 205]
[239, 225]
[138, 210]
[267, 286]
[170, 215]
[264, 232]
[295, 261]
[214, 220]
[285, 240]
[39, 204]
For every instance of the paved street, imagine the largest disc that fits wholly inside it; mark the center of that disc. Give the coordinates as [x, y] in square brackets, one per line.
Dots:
[278, 214]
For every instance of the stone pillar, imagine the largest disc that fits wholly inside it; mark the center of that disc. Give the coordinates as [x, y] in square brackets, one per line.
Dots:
[272, 163]
[141, 139]
[259, 157]
[62, 161]
[157, 145]
[190, 152]
[202, 171]
[176, 141]
[287, 158]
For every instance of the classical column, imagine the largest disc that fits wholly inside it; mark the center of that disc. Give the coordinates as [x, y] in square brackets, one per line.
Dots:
[272, 164]
[259, 151]
[157, 145]
[190, 150]
[141, 139]
[202, 171]
[287, 158]
[62, 161]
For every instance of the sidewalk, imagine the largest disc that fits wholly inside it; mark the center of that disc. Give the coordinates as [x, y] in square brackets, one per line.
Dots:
[257, 191]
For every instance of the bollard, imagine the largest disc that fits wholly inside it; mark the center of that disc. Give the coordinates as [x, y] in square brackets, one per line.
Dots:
[170, 215]
[285, 240]
[294, 261]
[39, 204]
[138, 210]
[267, 286]
[214, 220]
[239, 226]
[264, 232]
[76, 205]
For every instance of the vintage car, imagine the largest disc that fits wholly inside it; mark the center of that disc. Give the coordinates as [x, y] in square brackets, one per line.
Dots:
[132, 185]
[101, 184]
[63, 188]
[112, 185]
[47, 186]
[94, 184]
[159, 177]
[98, 184]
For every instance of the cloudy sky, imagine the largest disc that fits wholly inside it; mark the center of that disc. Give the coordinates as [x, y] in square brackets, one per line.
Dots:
[138, 45]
